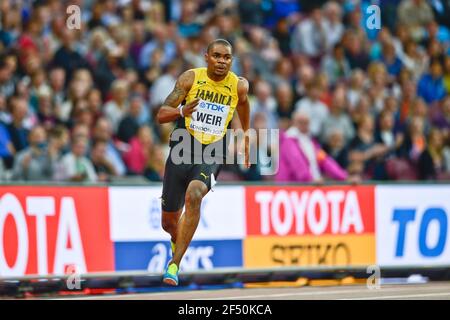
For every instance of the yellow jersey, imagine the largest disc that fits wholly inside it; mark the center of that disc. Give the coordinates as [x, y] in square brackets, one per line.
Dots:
[218, 100]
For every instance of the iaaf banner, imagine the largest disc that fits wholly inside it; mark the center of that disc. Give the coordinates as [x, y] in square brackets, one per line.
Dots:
[46, 230]
[309, 226]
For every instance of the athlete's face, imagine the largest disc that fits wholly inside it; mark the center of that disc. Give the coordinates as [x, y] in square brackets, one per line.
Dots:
[219, 59]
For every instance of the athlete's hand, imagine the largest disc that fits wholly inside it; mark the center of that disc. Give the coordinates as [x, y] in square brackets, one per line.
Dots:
[244, 148]
[190, 107]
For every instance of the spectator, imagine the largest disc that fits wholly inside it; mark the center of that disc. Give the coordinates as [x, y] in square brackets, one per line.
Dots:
[312, 106]
[58, 141]
[67, 56]
[164, 85]
[447, 74]
[283, 36]
[261, 150]
[102, 165]
[431, 86]
[336, 147]
[154, 171]
[355, 53]
[34, 162]
[116, 109]
[310, 36]
[5, 115]
[45, 112]
[441, 119]
[408, 96]
[419, 109]
[16, 129]
[189, 25]
[333, 23]
[136, 158]
[413, 59]
[81, 130]
[129, 125]
[78, 89]
[415, 14]
[301, 157]
[385, 133]
[94, 103]
[305, 74]
[364, 151]
[103, 132]
[415, 141]
[160, 40]
[75, 165]
[6, 147]
[338, 118]
[57, 79]
[336, 66]
[264, 102]
[431, 162]
[285, 105]
[390, 59]
[6, 80]
[356, 89]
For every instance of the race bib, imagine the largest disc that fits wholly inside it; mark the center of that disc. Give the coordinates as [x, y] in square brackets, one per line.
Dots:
[209, 118]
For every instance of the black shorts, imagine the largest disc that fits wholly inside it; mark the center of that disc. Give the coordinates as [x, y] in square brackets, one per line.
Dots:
[177, 178]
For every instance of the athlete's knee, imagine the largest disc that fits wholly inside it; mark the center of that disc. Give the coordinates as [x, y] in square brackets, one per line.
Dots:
[169, 222]
[194, 195]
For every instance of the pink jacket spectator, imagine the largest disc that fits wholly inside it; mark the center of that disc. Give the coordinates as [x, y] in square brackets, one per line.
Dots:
[294, 166]
[136, 158]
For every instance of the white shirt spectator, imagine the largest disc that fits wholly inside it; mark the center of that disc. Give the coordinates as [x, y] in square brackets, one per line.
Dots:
[307, 39]
[334, 32]
[268, 107]
[341, 122]
[114, 113]
[317, 112]
[72, 166]
[161, 89]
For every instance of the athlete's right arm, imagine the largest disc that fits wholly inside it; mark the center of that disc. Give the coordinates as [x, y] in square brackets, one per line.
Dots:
[169, 110]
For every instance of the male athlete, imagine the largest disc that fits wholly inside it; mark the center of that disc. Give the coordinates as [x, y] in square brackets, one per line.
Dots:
[208, 98]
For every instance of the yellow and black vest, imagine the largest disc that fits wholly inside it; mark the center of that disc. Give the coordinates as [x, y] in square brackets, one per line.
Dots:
[218, 101]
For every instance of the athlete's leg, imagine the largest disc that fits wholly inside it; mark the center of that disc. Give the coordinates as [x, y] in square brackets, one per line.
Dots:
[189, 220]
[169, 222]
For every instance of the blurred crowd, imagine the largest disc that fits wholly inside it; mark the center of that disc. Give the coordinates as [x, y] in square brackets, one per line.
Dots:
[351, 102]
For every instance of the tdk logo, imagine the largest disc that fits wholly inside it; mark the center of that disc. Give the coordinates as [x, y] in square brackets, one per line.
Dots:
[211, 106]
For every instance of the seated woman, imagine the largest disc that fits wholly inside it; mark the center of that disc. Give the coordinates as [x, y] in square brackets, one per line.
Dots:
[432, 164]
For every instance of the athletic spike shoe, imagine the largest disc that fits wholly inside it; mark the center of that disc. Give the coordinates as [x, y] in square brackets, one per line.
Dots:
[171, 275]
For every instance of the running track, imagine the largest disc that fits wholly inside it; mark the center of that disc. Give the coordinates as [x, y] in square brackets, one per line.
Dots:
[428, 291]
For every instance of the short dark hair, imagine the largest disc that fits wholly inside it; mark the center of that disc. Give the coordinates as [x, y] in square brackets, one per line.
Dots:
[219, 41]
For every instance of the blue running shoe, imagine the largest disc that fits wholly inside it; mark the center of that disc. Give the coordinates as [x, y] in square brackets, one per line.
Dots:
[171, 275]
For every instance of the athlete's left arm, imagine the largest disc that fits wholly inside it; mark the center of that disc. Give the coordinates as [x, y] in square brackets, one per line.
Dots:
[243, 109]
[243, 105]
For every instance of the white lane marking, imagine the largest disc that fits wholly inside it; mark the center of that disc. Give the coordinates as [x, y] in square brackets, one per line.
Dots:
[304, 293]
[438, 294]
[309, 293]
